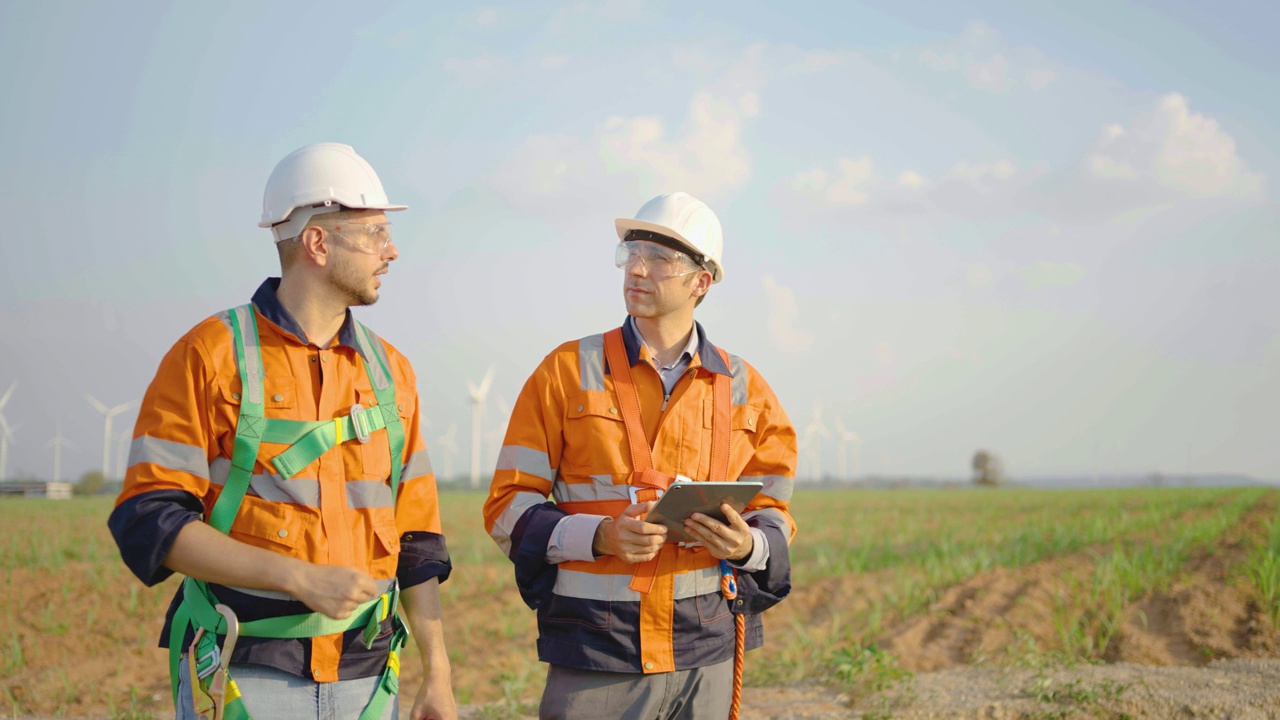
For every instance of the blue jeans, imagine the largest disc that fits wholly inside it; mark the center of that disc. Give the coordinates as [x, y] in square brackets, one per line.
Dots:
[270, 694]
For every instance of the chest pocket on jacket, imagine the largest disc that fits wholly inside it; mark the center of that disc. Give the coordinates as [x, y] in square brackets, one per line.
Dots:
[375, 455]
[742, 430]
[595, 438]
[279, 399]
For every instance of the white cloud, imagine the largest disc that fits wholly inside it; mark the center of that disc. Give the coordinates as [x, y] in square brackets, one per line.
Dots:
[1048, 274]
[983, 173]
[1178, 150]
[784, 315]
[479, 69]
[911, 179]
[989, 62]
[708, 158]
[487, 16]
[846, 186]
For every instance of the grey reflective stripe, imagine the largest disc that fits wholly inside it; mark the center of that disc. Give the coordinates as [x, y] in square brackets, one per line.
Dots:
[418, 465]
[506, 522]
[775, 486]
[601, 488]
[589, 586]
[304, 491]
[738, 387]
[697, 582]
[252, 354]
[368, 494]
[383, 586]
[526, 460]
[373, 356]
[771, 516]
[591, 362]
[169, 454]
[617, 588]
[225, 317]
[271, 487]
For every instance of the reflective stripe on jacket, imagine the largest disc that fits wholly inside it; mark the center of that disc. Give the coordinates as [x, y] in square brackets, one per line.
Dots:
[335, 511]
[566, 443]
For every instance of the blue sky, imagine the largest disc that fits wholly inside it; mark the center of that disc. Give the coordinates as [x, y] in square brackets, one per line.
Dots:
[1043, 229]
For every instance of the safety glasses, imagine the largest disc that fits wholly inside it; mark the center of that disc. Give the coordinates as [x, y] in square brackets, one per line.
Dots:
[658, 261]
[371, 238]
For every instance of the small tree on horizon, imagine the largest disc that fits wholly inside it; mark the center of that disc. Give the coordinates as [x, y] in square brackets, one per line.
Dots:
[90, 483]
[988, 471]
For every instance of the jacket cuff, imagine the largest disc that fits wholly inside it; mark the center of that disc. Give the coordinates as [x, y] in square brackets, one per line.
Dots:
[145, 527]
[423, 555]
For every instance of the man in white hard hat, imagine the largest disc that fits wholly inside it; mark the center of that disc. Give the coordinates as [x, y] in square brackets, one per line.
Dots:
[277, 463]
[636, 626]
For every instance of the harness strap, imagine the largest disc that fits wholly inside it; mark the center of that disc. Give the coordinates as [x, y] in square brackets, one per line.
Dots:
[308, 441]
[642, 455]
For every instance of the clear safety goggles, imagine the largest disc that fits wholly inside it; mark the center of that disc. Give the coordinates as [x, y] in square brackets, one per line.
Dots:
[371, 238]
[656, 260]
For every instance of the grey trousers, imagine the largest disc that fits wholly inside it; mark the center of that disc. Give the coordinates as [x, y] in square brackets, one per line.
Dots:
[698, 694]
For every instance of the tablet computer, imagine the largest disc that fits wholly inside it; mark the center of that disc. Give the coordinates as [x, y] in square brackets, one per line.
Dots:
[683, 499]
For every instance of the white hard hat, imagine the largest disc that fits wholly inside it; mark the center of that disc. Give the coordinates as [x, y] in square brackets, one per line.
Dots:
[318, 179]
[685, 219]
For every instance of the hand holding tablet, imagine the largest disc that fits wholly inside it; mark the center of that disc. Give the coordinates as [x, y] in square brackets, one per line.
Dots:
[683, 499]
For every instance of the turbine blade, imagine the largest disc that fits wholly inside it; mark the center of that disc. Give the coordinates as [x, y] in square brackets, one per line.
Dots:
[96, 405]
[7, 394]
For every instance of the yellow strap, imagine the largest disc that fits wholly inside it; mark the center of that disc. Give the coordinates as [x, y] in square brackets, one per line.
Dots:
[337, 430]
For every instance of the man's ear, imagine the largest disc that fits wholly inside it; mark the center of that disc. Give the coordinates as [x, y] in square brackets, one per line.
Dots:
[701, 283]
[313, 246]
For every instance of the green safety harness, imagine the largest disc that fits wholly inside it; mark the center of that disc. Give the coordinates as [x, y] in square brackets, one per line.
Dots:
[199, 609]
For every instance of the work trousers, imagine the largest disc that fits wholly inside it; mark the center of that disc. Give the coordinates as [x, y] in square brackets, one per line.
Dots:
[270, 694]
[699, 694]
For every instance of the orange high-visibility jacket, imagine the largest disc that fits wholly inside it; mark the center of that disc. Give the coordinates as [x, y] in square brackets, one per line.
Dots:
[336, 511]
[566, 444]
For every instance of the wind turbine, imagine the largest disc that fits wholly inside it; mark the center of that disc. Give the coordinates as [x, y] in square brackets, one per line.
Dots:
[107, 414]
[448, 444]
[6, 432]
[813, 433]
[123, 442]
[497, 434]
[57, 443]
[847, 439]
[478, 395]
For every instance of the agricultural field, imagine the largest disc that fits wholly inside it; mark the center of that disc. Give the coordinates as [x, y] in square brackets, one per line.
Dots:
[1072, 603]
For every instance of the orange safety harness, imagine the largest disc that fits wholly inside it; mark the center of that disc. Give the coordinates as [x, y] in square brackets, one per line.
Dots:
[654, 482]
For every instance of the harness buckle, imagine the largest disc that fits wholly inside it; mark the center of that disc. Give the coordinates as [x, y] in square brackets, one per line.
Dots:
[358, 422]
[632, 491]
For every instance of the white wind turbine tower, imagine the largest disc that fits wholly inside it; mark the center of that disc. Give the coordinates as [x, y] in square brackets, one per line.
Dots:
[497, 433]
[6, 432]
[848, 440]
[107, 414]
[123, 442]
[813, 433]
[448, 444]
[57, 443]
[478, 395]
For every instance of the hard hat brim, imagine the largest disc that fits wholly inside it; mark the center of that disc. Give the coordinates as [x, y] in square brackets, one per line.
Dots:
[624, 225]
[272, 222]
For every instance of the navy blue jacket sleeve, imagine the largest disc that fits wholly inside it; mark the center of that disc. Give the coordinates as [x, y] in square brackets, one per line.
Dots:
[145, 527]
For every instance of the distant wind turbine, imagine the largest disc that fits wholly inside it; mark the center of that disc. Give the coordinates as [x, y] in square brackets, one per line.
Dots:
[848, 440]
[123, 441]
[107, 414]
[448, 444]
[497, 432]
[478, 395]
[6, 432]
[57, 443]
[813, 433]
